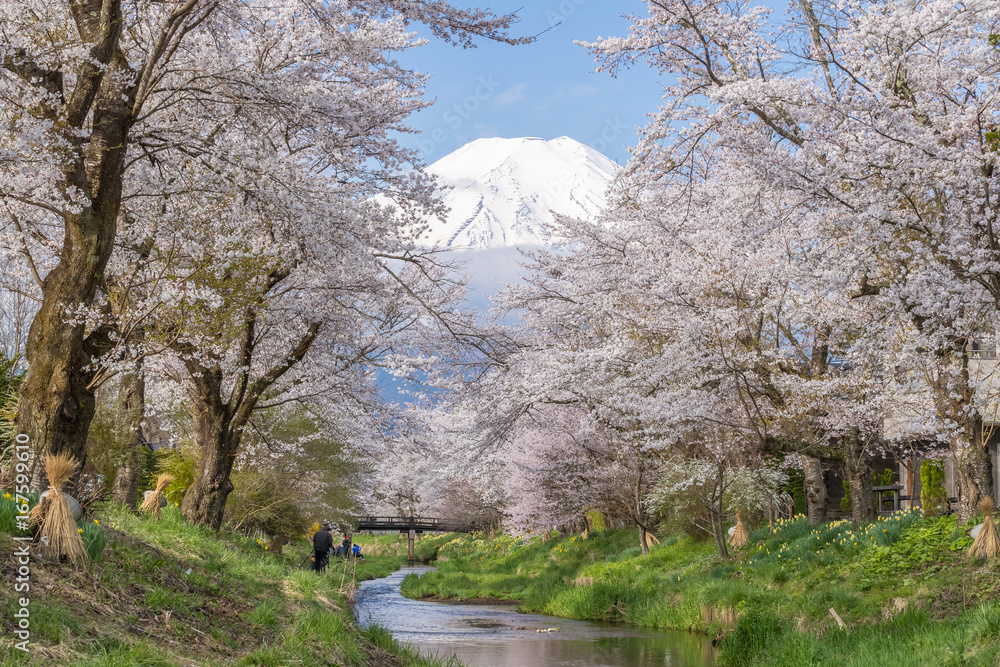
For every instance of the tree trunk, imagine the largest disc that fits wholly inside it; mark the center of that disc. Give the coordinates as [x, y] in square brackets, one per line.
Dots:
[204, 502]
[719, 533]
[219, 423]
[56, 407]
[912, 470]
[57, 403]
[127, 478]
[858, 468]
[643, 540]
[954, 399]
[973, 472]
[815, 488]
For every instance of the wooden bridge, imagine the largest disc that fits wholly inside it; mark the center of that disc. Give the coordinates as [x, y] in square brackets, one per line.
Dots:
[418, 524]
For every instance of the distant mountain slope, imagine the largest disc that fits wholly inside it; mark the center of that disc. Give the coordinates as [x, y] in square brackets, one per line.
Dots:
[503, 191]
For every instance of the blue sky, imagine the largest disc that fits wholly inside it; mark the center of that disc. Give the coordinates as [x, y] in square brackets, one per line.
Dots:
[546, 89]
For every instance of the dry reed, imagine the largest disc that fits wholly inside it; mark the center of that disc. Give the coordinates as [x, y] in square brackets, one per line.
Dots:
[152, 503]
[740, 536]
[276, 544]
[987, 542]
[59, 534]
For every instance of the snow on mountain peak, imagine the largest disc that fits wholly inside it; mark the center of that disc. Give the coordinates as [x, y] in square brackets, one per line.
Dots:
[503, 191]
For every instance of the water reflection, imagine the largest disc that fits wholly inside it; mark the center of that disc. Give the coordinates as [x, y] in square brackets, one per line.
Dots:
[495, 636]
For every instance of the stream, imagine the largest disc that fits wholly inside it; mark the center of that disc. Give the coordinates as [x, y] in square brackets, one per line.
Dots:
[496, 636]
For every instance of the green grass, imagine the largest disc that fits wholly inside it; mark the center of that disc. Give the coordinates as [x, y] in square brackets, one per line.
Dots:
[8, 511]
[95, 538]
[903, 586]
[170, 593]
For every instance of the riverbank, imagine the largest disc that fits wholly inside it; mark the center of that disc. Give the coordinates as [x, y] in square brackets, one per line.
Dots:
[166, 593]
[903, 588]
[486, 635]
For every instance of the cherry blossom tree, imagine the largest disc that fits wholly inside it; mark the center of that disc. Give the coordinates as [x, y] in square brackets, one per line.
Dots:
[95, 95]
[880, 119]
[551, 473]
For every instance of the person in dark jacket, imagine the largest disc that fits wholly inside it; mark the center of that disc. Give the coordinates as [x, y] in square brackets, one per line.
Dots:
[322, 544]
[346, 545]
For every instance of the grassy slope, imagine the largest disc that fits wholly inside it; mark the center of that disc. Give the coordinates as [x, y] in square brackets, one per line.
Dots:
[238, 604]
[904, 587]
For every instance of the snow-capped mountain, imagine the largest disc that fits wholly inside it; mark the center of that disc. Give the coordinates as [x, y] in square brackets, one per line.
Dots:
[503, 191]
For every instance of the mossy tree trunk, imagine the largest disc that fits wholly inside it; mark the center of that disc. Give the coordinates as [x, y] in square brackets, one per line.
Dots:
[204, 502]
[134, 402]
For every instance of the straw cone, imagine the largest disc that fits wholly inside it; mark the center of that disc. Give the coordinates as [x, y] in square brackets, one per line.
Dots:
[987, 543]
[58, 468]
[740, 536]
[58, 527]
[275, 545]
[152, 503]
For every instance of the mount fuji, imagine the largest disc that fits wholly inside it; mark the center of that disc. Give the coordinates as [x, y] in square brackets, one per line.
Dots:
[502, 192]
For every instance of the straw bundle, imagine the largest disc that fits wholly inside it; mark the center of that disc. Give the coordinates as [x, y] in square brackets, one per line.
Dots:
[60, 536]
[987, 543]
[63, 465]
[275, 545]
[740, 536]
[152, 503]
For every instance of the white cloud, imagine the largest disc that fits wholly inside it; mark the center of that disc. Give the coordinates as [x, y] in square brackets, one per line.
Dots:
[576, 90]
[485, 131]
[511, 95]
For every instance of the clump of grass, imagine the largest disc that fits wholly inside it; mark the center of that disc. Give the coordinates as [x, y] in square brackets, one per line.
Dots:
[115, 653]
[264, 615]
[95, 538]
[8, 511]
[754, 633]
[795, 542]
[160, 599]
[631, 552]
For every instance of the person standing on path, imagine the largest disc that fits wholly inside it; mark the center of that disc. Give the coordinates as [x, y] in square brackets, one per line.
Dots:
[322, 543]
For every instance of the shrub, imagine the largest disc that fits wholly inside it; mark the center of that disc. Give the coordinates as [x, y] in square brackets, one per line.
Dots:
[933, 496]
[181, 465]
[921, 546]
[795, 487]
[595, 521]
[262, 501]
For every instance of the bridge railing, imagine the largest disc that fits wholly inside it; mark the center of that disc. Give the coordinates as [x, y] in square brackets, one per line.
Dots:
[403, 521]
[418, 523]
